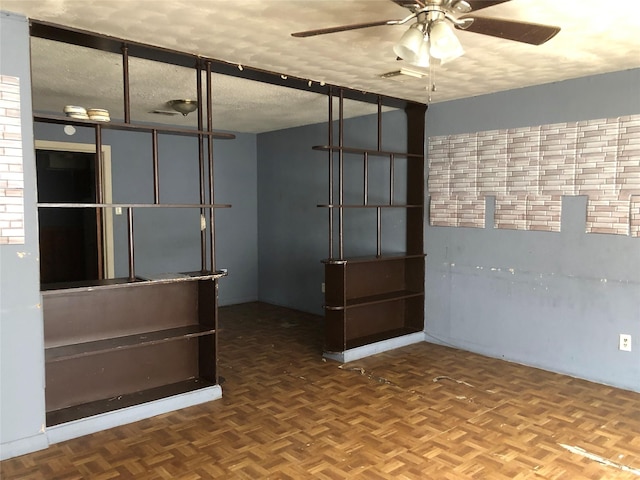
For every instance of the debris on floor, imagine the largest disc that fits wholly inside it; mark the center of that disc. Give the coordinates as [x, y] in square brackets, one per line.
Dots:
[599, 459]
[444, 377]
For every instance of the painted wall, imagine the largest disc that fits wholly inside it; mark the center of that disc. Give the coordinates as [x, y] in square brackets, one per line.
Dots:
[293, 180]
[22, 411]
[553, 300]
[168, 240]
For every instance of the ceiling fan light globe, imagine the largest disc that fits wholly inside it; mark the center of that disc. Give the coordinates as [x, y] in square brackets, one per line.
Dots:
[408, 48]
[444, 42]
[423, 59]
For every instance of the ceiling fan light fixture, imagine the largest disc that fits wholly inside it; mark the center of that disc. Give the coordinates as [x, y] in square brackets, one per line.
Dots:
[408, 48]
[423, 58]
[183, 105]
[445, 45]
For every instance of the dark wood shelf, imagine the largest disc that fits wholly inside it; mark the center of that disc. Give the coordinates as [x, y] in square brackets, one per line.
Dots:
[382, 205]
[67, 352]
[140, 127]
[134, 205]
[378, 297]
[52, 288]
[379, 337]
[373, 152]
[373, 299]
[115, 343]
[373, 258]
[76, 412]
[123, 282]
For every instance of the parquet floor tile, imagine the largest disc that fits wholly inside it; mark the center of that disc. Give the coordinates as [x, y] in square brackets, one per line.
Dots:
[420, 412]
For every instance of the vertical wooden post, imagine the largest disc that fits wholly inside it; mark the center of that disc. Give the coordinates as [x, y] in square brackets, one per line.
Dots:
[154, 152]
[330, 139]
[365, 200]
[201, 174]
[125, 83]
[99, 183]
[130, 240]
[212, 218]
[415, 177]
[341, 176]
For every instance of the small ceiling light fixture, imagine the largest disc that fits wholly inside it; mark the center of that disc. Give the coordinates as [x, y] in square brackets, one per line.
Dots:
[410, 44]
[431, 39]
[184, 106]
[444, 44]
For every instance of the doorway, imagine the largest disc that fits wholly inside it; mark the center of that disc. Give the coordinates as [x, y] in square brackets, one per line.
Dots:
[76, 244]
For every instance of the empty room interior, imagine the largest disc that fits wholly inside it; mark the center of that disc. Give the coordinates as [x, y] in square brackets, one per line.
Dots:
[394, 239]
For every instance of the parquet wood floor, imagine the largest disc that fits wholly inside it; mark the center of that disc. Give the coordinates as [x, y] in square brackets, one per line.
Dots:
[420, 412]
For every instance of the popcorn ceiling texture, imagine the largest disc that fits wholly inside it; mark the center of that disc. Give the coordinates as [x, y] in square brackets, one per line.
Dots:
[529, 169]
[257, 33]
[11, 176]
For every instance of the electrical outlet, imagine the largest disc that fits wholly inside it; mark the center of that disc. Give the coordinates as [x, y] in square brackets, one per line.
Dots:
[625, 342]
[322, 287]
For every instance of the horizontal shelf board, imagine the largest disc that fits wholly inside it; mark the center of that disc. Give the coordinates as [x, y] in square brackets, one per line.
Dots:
[378, 337]
[132, 126]
[90, 409]
[385, 205]
[373, 299]
[373, 258]
[133, 205]
[123, 282]
[378, 153]
[78, 350]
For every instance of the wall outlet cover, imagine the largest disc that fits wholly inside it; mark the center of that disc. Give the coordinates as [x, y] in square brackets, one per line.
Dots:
[625, 342]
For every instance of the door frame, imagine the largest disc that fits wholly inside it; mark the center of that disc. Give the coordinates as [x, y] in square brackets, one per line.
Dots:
[107, 218]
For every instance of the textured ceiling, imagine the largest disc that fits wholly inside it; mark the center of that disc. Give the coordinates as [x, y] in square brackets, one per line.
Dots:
[595, 38]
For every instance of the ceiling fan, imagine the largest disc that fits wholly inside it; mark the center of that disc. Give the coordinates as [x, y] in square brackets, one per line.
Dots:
[430, 39]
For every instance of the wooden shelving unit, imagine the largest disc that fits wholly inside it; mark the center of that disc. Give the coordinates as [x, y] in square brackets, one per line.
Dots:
[369, 300]
[127, 339]
[117, 343]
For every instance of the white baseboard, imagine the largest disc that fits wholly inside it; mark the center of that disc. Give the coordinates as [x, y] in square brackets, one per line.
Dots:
[85, 426]
[23, 446]
[378, 347]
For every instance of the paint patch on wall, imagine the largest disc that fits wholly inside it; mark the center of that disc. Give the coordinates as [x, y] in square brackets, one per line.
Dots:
[11, 163]
[529, 169]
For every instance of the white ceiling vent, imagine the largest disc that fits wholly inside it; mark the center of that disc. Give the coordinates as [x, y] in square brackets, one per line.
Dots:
[404, 74]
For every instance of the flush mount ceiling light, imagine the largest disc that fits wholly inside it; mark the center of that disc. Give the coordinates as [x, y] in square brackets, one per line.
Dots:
[431, 38]
[184, 106]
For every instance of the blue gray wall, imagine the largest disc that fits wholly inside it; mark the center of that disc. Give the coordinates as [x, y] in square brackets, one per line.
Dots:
[554, 300]
[293, 180]
[22, 410]
[168, 240]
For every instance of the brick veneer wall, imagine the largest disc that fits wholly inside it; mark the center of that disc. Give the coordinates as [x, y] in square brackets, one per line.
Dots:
[11, 174]
[529, 169]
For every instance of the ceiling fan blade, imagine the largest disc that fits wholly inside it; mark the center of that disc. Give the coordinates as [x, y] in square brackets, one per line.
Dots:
[343, 28]
[480, 4]
[532, 33]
